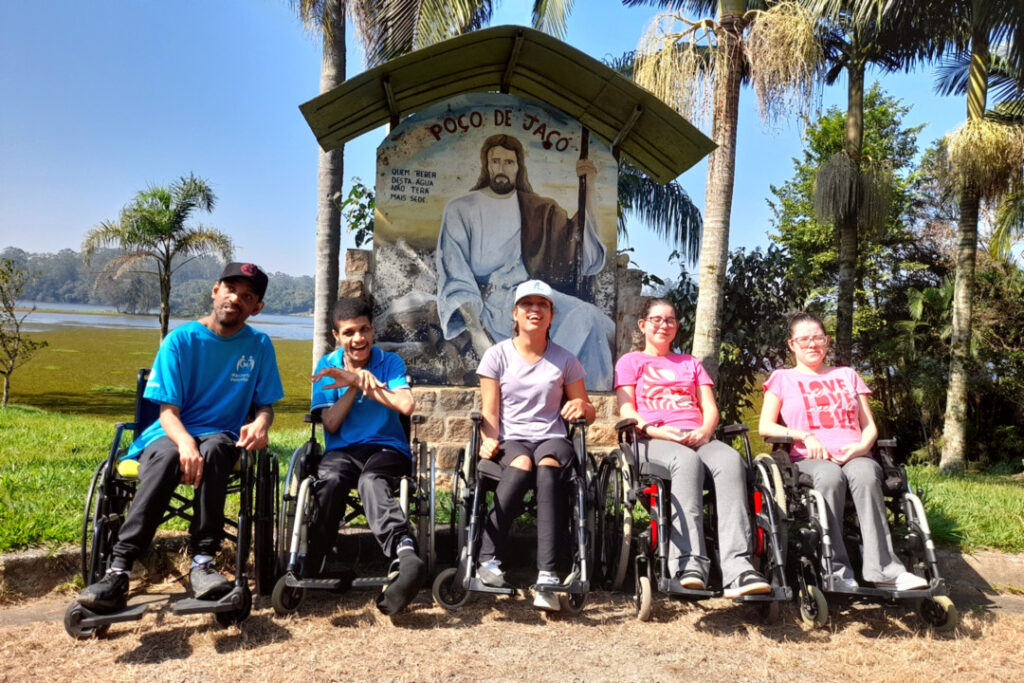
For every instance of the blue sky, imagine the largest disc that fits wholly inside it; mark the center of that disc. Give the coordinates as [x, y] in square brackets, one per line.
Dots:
[100, 99]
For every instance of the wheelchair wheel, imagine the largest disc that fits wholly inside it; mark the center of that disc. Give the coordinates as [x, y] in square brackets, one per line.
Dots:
[615, 526]
[813, 606]
[105, 510]
[644, 598]
[265, 502]
[572, 603]
[73, 624]
[239, 615]
[940, 613]
[286, 599]
[447, 591]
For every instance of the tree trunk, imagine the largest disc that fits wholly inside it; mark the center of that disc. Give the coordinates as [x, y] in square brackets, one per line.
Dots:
[847, 226]
[165, 298]
[714, 255]
[954, 432]
[7, 391]
[330, 175]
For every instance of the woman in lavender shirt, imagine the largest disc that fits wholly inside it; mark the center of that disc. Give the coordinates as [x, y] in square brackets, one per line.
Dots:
[528, 386]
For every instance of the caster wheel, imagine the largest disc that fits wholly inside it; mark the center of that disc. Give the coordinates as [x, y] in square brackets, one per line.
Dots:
[237, 616]
[73, 624]
[644, 598]
[572, 603]
[940, 613]
[446, 590]
[813, 607]
[286, 599]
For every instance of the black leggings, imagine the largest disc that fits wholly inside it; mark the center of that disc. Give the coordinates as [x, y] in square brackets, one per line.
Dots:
[552, 484]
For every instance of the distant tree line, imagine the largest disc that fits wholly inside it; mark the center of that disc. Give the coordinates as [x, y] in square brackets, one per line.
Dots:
[64, 278]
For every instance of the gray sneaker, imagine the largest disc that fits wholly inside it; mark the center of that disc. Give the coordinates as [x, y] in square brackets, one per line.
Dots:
[490, 574]
[106, 595]
[208, 583]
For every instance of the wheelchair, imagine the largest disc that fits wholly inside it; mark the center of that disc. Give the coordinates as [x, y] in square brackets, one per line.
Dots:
[810, 541]
[624, 481]
[416, 494]
[473, 479]
[109, 498]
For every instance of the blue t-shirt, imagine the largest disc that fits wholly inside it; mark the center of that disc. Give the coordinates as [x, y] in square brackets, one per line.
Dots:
[368, 422]
[213, 380]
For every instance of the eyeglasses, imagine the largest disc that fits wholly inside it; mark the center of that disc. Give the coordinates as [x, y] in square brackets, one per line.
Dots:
[657, 321]
[804, 342]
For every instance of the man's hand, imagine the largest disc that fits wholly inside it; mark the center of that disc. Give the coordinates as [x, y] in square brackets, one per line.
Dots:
[342, 378]
[191, 464]
[253, 436]
[488, 448]
[574, 409]
[367, 381]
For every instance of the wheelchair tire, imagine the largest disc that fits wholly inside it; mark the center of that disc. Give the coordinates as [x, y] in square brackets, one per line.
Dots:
[239, 615]
[264, 552]
[572, 603]
[285, 599]
[813, 607]
[446, 592]
[644, 598]
[615, 526]
[73, 624]
[940, 613]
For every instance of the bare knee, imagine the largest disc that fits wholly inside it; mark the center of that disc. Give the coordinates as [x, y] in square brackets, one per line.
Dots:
[523, 463]
[549, 462]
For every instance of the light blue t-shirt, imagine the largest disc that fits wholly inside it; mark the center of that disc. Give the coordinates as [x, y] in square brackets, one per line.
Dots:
[368, 422]
[213, 380]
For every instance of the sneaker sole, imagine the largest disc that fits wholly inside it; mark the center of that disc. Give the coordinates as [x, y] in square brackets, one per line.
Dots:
[543, 604]
[752, 589]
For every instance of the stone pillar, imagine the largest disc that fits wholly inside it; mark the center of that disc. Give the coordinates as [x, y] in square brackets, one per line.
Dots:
[358, 274]
[629, 307]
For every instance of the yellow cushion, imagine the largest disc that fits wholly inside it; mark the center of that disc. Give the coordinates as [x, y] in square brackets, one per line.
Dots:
[129, 469]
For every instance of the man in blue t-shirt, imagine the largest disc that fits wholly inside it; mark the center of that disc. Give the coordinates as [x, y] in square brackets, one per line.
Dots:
[362, 391]
[207, 375]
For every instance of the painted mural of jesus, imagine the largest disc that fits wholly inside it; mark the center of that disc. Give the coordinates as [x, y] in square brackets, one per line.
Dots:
[502, 233]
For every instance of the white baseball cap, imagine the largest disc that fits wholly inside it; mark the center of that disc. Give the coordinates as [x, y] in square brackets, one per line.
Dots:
[534, 288]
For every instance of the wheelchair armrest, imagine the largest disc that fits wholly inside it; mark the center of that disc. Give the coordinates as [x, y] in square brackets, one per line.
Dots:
[886, 443]
[314, 416]
[418, 419]
[780, 440]
[580, 422]
[475, 416]
[730, 430]
[625, 423]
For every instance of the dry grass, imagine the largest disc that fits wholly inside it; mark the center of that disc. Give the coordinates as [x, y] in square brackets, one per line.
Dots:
[345, 638]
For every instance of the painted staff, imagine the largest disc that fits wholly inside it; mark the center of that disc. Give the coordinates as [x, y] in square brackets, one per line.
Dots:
[581, 217]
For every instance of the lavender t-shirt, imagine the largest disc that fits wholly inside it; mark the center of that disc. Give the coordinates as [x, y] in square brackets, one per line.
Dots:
[531, 395]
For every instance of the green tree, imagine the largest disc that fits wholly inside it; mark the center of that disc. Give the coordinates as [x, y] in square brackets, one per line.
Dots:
[152, 231]
[15, 348]
[699, 66]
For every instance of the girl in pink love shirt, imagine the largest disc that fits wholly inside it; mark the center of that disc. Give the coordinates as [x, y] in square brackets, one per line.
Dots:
[826, 413]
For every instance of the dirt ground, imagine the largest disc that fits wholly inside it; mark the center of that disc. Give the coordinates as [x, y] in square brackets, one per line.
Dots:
[344, 637]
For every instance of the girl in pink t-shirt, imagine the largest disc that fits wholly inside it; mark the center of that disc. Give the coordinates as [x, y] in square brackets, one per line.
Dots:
[669, 395]
[826, 413]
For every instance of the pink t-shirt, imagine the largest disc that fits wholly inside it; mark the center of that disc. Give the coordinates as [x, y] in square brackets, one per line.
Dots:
[666, 387]
[824, 404]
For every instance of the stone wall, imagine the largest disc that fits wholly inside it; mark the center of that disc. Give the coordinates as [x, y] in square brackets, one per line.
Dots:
[447, 408]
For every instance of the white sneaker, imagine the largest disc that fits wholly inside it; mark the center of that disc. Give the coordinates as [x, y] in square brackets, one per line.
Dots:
[490, 574]
[905, 582]
[847, 582]
[546, 600]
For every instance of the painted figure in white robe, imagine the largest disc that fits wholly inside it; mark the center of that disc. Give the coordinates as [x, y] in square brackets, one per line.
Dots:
[502, 233]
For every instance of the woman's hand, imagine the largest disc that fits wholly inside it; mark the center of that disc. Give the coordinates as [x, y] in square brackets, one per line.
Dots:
[488, 448]
[815, 449]
[851, 451]
[696, 438]
[575, 409]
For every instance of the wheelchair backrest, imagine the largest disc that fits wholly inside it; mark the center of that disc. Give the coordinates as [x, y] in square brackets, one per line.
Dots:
[146, 412]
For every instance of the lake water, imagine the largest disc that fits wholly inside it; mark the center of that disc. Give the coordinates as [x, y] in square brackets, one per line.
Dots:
[87, 315]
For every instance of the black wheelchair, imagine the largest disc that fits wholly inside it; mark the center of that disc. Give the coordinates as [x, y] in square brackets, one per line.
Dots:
[473, 479]
[810, 541]
[624, 481]
[109, 498]
[417, 497]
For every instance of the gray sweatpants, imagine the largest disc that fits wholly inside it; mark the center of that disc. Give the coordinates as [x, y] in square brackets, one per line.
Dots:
[864, 478]
[686, 540]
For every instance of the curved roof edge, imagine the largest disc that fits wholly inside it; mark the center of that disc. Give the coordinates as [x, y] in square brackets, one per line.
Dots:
[520, 61]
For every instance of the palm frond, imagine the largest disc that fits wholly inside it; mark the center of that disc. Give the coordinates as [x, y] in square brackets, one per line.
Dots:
[551, 16]
[105, 234]
[201, 240]
[667, 209]
[1009, 226]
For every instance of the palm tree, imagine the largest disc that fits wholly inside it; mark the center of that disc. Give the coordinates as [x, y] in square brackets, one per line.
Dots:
[386, 29]
[151, 230]
[701, 66]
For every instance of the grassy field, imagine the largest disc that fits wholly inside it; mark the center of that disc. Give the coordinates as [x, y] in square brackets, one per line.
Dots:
[66, 400]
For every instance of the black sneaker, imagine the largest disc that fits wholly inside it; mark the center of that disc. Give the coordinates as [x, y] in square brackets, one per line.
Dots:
[106, 595]
[748, 583]
[207, 582]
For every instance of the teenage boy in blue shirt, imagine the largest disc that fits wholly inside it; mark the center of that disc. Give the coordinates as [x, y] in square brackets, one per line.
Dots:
[362, 391]
[206, 376]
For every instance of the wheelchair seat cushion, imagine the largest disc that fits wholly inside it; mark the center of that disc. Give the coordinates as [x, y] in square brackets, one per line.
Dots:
[128, 468]
[490, 469]
[654, 469]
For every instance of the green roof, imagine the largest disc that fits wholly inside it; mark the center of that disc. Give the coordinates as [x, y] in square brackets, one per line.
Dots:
[520, 61]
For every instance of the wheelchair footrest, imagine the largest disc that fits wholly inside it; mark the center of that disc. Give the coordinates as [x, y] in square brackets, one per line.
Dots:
[674, 588]
[370, 582]
[315, 584]
[778, 594]
[478, 586]
[232, 602]
[575, 587]
[92, 619]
